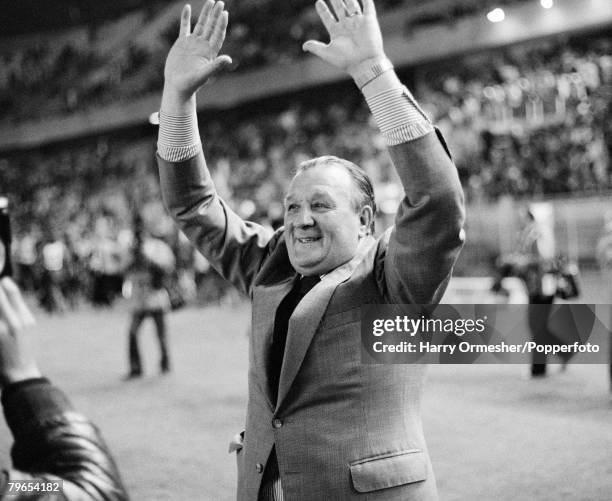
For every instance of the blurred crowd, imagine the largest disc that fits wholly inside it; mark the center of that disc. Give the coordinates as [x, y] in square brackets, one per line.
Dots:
[80, 69]
[528, 121]
[91, 258]
[73, 217]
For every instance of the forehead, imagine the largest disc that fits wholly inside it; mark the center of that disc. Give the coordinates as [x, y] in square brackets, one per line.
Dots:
[330, 179]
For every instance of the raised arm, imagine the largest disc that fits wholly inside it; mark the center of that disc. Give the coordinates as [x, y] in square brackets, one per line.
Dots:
[54, 445]
[427, 236]
[235, 248]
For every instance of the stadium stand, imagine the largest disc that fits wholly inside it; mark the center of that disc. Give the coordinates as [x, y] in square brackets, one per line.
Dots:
[531, 119]
[103, 61]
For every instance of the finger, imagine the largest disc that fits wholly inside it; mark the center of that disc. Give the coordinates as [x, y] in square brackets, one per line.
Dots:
[222, 62]
[204, 13]
[211, 22]
[217, 66]
[218, 34]
[368, 7]
[16, 299]
[185, 21]
[315, 47]
[352, 7]
[327, 18]
[7, 313]
[339, 9]
[213, 68]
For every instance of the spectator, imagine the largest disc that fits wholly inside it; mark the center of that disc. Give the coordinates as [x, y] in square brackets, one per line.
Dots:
[54, 257]
[152, 262]
[55, 446]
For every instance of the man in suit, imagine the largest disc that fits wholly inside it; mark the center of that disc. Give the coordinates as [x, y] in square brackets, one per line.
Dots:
[320, 424]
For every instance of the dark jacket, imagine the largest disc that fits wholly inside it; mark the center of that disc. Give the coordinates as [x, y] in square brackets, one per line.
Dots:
[54, 443]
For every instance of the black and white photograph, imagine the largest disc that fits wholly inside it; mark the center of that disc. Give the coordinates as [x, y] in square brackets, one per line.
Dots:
[306, 250]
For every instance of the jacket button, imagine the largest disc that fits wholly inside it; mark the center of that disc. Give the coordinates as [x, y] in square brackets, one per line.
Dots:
[277, 423]
[259, 468]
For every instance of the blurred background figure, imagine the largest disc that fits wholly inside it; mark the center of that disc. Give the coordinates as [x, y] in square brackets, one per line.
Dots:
[604, 248]
[107, 262]
[151, 264]
[54, 258]
[604, 258]
[26, 249]
[534, 260]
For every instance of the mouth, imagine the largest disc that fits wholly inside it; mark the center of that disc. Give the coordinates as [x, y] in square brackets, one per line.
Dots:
[307, 240]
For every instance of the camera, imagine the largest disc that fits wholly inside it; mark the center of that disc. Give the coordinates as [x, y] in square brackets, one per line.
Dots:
[5, 239]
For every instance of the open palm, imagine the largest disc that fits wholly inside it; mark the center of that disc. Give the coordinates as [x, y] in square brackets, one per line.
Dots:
[354, 35]
[194, 56]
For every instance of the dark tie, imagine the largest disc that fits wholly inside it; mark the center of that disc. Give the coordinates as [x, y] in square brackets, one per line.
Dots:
[281, 325]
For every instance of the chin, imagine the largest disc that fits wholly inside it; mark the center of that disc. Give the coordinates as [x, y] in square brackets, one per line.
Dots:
[306, 269]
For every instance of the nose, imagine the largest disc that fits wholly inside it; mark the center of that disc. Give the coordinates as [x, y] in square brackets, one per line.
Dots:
[304, 218]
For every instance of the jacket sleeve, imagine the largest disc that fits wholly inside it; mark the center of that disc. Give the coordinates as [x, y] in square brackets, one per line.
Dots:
[234, 247]
[423, 244]
[53, 443]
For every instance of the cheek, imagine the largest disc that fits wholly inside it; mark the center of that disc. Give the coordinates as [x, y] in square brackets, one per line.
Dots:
[344, 229]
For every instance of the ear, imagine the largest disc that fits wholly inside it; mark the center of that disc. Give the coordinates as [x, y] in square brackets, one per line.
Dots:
[366, 216]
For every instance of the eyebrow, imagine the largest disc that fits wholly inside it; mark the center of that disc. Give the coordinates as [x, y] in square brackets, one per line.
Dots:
[317, 193]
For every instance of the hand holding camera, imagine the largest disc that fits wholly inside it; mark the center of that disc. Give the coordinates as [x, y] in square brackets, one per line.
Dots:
[16, 360]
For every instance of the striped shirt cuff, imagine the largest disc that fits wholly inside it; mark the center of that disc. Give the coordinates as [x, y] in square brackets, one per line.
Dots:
[179, 139]
[398, 115]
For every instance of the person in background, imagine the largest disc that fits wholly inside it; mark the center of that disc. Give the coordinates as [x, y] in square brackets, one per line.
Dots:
[26, 257]
[533, 260]
[57, 452]
[604, 259]
[54, 258]
[107, 261]
[152, 262]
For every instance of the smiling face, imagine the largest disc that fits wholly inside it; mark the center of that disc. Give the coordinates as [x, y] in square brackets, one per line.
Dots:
[322, 225]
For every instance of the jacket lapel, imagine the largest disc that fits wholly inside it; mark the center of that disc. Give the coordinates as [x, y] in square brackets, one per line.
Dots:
[307, 316]
[265, 303]
[274, 282]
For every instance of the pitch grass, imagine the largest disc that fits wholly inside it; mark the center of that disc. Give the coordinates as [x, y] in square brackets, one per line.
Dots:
[492, 433]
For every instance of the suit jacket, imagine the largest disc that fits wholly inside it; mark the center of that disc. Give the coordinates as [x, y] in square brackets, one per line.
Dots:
[342, 429]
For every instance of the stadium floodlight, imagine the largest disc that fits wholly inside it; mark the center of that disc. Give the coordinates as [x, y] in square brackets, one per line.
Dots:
[547, 4]
[496, 15]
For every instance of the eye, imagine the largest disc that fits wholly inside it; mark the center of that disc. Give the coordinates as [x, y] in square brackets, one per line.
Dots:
[291, 207]
[319, 205]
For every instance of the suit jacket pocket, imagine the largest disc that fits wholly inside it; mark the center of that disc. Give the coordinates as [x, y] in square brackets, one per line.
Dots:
[337, 319]
[389, 470]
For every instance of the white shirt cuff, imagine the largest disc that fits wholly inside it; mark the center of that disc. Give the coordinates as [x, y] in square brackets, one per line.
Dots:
[179, 138]
[396, 111]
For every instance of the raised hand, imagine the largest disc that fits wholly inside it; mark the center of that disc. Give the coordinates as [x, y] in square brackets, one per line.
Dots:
[354, 34]
[16, 358]
[194, 58]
